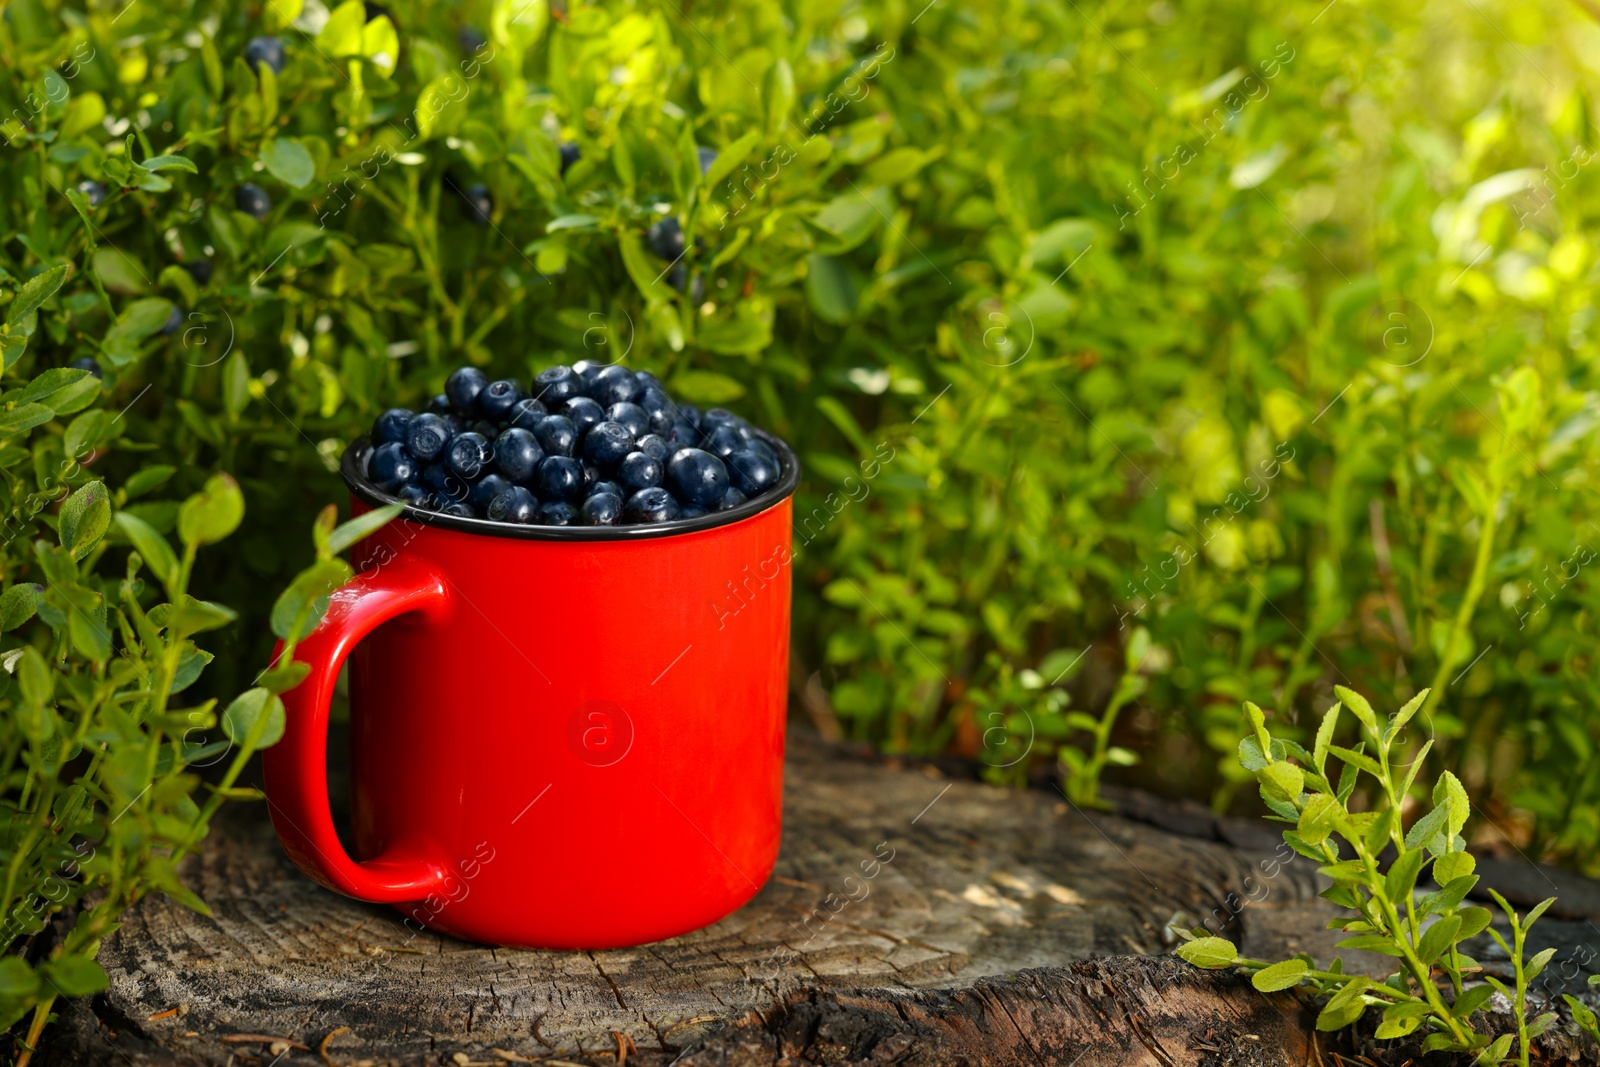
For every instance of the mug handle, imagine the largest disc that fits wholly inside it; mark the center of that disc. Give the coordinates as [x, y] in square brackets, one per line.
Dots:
[295, 769]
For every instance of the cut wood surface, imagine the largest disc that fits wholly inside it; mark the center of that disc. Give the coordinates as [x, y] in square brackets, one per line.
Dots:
[959, 948]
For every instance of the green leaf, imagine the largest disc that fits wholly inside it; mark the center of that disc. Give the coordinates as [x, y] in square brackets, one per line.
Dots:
[18, 981]
[706, 387]
[287, 160]
[142, 481]
[1471, 1000]
[381, 45]
[1449, 793]
[1382, 944]
[19, 604]
[75, 976]
[1345, 1006]
[1438, 938]
[149, 543]
[442, 104]
[1281, 781]
[830, 289]
[308, 593]
[341, 34]
[195, 616]
[1209, 952]
[83, 519]
[213, 513]
[1358, 706]
[256, 714]
[1401, 878]
[184, 163]
[34, 292]
[1358, 760]
[21, 419]
[1279, 976]
[1534, 966]
[1473, 922]
[1410, 708]
[1318, 818]
[348, 533]
[284, 677]
[1426, 829]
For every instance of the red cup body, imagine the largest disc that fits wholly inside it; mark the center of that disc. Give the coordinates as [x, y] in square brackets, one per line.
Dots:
[555, 744]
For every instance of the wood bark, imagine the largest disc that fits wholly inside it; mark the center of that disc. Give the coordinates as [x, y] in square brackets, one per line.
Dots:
[980, 939]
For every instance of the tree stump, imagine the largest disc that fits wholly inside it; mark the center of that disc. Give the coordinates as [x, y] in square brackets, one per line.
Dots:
[911, 917]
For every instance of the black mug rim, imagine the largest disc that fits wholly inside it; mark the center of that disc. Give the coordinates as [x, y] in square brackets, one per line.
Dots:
[353, 468]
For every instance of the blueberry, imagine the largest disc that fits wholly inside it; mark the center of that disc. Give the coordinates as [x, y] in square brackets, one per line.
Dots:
[556, 385]
[415, 495]
[647, 380]
[200, 270]
[498, 398]
[391, 467]
[456, 423]
[391, 426]
[268, 50]
[630, 417]
[92, 191]
[517, 454]
[714, 417]
[438, 405]
[427, 436]
[591, 477]
[691, 511]
[639, 471]
[607, 444]
[707, 156]
[654, 446]
[251, 199]
[560, 478]
[751, 473]
[608, 486]
[487, 488]
[484, 427]
[526, 414]
[463, 387]
[460, 509]
[556, 513]
[570, 154]
[615, 385]
[731, 499]
[696, 477]
[471, 39]
[446, 486]
[666, 238]
[722, 441]
[682, 435]
[588, 372]
[602, 509]
[514, 505]
[88, 364]
[174, 320]
[651, 506]
[585, 413]
[467, 455]
[556, 435]
[761, 448]
[480, 205]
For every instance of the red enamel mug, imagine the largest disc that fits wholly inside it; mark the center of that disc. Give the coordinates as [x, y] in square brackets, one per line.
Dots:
[561, 737]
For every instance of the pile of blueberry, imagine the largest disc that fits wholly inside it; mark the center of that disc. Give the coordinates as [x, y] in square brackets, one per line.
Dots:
[591, 444]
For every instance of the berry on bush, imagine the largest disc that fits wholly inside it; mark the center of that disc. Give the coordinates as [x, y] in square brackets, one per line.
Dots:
[479, 203]
[253, 200]
[92, 191]
[619, 452]
[666, 238]
[268, 50]
[89, 364]
[570, 154]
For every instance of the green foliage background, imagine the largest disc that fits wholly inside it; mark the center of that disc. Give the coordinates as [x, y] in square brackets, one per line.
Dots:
[1268, 329]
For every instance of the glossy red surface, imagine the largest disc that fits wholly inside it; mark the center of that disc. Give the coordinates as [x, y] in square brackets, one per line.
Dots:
[555, 744]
